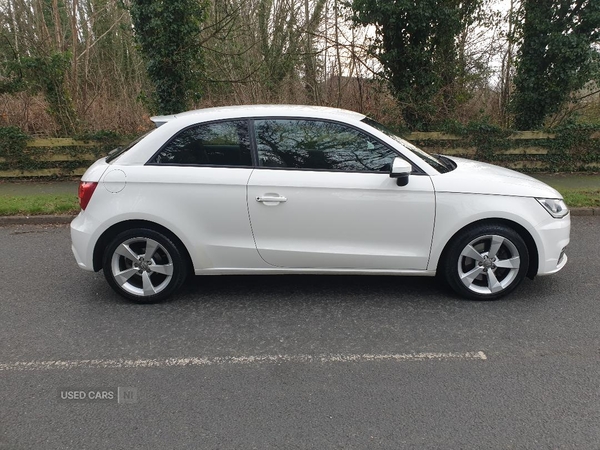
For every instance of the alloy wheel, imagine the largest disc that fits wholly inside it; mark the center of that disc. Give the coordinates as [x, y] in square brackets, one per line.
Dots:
[489, 264]
[142, 266]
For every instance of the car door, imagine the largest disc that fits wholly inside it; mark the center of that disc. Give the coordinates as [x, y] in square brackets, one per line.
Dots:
[322, 198]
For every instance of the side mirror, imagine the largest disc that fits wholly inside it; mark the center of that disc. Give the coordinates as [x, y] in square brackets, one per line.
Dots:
[401, 169]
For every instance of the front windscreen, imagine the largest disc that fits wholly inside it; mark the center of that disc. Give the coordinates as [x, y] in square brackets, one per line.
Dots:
[438, 163]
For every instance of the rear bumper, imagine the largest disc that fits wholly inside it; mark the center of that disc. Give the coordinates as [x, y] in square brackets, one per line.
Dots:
[82, 245]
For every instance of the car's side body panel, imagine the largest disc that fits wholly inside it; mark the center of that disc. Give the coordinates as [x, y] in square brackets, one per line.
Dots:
[342, 220]
[204, 207]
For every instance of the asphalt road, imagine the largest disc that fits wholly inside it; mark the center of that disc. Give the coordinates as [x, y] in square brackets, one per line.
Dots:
[296, 362]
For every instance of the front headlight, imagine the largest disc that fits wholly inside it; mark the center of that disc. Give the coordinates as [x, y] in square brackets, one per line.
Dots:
[555, 206]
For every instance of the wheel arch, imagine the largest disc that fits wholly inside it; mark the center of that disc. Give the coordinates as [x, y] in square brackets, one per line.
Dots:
[522, 231]
[111, 232]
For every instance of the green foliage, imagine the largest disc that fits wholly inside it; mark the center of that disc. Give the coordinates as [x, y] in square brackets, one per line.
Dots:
[574, 148]
[168, 34]
[488, 139]
[11, 77]
[108, 137]
[13, 144]
[556, 57]
[416, 43]
[35, 56]
[18, 156]
[48, 75]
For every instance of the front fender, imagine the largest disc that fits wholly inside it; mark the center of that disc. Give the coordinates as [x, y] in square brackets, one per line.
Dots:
[456, 211]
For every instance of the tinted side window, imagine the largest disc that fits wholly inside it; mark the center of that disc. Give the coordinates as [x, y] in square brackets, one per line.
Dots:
[213, 144]
[313, 144]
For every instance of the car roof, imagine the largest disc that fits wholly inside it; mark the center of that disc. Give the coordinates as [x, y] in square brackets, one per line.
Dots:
[227, 112]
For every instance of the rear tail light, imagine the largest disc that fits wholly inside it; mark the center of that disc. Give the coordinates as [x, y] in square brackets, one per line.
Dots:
[86, 189]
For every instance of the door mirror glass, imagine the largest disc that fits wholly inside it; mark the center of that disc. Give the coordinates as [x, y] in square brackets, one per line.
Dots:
[401, 169]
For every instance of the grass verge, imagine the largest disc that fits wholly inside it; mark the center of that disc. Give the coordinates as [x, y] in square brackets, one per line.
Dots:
[581, 198]
[29, 205]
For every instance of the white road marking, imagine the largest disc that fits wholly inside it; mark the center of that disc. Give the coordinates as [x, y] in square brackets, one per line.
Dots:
[233, 360]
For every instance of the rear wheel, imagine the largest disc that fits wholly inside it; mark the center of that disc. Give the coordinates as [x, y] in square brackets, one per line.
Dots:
[486, 262]
[144, 266]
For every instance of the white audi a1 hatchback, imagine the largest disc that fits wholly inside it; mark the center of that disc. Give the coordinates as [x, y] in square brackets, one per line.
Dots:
[298, 189]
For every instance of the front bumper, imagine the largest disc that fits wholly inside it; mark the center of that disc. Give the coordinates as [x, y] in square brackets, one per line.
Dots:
[554, 236]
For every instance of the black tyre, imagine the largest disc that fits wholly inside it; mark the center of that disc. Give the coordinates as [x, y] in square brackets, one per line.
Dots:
[144, 266]
[486, 262]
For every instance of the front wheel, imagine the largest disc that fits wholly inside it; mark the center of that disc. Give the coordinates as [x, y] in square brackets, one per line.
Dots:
[486, 262]
[144, 266]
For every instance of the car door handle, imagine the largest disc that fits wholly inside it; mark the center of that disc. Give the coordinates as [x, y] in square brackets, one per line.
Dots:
[268, 199]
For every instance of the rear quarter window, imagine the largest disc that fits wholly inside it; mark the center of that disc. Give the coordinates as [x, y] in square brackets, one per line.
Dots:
[211, 144]
[114, 154]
